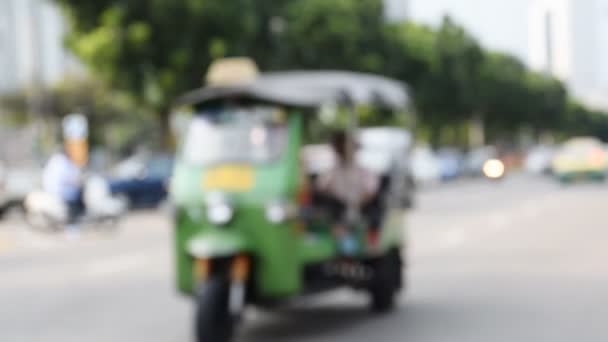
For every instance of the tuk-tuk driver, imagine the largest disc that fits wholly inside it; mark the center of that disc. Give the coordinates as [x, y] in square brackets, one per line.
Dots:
[350, 189]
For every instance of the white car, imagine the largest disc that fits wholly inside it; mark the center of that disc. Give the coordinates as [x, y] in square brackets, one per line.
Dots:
[538, 160]
[477, 158]
[385, 151]
[425, 166]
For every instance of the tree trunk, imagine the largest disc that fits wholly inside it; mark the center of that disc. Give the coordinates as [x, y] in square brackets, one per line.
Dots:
[167, 140]
[435, 137]
[476, 131]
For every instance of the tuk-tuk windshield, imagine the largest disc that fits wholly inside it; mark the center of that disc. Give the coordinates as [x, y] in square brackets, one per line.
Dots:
[236, 134]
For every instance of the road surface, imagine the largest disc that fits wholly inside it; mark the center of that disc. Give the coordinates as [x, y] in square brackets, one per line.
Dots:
[521, 260]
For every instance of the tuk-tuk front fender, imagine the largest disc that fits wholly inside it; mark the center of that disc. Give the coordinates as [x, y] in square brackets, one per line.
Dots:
[217, 245]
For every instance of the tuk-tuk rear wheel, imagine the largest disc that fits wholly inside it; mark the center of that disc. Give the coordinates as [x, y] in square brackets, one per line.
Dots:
[214, 322]
[386, 282]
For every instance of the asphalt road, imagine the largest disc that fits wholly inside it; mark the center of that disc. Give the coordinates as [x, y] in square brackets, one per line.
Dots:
[520, 260]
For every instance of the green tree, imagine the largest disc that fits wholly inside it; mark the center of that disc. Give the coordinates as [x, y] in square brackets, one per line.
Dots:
[338, 34]
[502, 99]
[547, 101]
[156, 50]
[103, 107]
[448, 93]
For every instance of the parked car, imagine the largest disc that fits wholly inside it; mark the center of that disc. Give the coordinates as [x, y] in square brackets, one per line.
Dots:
[145, 185]
[477, 158]
[386, 150]
[425, 166]
[451, 163]
[538, 160]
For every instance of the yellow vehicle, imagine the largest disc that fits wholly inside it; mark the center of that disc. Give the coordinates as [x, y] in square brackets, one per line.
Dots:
[581, 158]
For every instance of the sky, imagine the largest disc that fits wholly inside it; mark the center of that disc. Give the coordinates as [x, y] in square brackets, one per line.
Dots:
[498, 24]
[505, 25]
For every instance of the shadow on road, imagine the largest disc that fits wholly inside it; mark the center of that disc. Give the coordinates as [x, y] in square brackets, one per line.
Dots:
[320, 323]
[309, 322]
[413, 321]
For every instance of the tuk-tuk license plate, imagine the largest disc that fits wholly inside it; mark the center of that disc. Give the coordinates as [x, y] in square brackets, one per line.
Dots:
[229, 177]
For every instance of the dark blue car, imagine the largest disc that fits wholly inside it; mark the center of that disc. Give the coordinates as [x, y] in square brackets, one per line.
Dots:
[149, 188]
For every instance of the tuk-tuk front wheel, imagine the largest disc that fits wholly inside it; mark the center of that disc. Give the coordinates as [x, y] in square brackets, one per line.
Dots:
[386, 282]
[214, 322]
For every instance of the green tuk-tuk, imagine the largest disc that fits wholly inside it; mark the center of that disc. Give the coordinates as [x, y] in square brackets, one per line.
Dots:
[247, 228]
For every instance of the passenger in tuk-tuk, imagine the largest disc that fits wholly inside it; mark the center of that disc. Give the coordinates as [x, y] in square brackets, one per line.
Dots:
[350, 191]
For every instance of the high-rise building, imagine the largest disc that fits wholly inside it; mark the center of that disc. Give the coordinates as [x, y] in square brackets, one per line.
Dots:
[31, 41]
[8, 56]
[549, 38]
[566, 38]
[569, 39]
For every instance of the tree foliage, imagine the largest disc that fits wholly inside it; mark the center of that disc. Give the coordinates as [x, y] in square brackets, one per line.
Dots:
[108, 111]
[155, 50]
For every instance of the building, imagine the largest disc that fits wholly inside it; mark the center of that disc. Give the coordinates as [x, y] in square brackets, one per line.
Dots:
[565, 38]
[8, 55]
[550, 43]
[569, 39]
[31, 41]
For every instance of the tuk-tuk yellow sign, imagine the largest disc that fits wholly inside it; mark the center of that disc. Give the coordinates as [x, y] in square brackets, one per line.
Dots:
[229, 177]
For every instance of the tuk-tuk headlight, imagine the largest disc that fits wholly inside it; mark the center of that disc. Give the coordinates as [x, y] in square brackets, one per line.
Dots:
[219, 213]
[278, 212]
[219, 210]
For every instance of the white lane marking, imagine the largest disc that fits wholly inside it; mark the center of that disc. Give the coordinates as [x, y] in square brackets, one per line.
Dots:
[115, 265]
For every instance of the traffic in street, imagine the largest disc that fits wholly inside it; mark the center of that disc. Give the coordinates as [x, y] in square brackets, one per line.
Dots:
[301, 170]
[515, 260]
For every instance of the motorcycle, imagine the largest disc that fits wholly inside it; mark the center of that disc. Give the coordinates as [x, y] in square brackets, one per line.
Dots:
[49, 213]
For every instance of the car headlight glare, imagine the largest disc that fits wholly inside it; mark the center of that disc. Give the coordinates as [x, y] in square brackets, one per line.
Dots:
[494, 168]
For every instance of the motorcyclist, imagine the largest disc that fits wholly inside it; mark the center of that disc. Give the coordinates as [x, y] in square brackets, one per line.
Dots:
[62, 178]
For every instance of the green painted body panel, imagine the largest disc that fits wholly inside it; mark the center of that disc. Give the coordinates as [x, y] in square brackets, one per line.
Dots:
[314, 249]
[280, 251]
[274, 246]
[217, 243]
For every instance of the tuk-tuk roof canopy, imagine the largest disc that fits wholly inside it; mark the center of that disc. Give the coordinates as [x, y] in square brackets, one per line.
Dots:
[309, 89]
